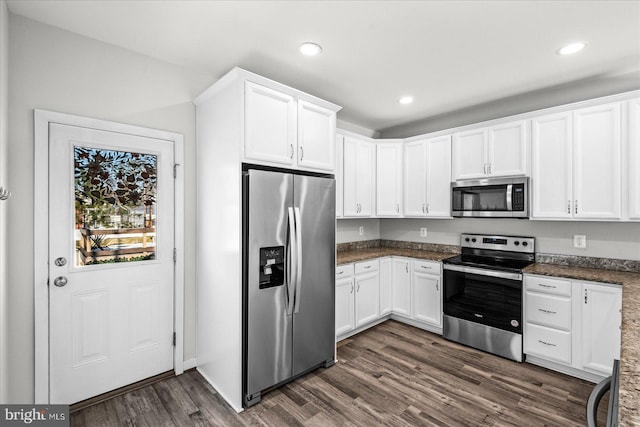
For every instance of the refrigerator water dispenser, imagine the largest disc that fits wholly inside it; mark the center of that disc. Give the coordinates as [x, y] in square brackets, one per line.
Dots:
[271, 267]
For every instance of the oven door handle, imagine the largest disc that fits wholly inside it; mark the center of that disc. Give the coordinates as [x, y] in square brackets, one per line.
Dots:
[483, 272]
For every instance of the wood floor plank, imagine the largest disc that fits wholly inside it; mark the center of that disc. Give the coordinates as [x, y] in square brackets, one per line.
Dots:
[392, 374]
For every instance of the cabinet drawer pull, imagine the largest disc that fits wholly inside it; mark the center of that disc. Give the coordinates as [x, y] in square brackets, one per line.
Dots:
[367, 266]
[547, 343]
[547, 311]
[425, 267]
[340, 272]
[547, 286]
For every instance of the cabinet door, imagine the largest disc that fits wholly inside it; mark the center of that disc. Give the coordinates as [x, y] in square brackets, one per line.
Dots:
[507, 153]
[415, 178]
[551, 177]
[339, 176]
[634, 159]
[345, 305]
[386, 282]
[270, 125]
[316, 137]
[401, 287]
[600, 321]
[389, 179]
[597, 162]
[426, 298]
[358, 177]
[469, 154]
[367, 298]
[438, 171]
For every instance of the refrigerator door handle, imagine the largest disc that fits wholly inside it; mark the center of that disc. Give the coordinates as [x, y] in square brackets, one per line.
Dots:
[291, 262]
[298, 249]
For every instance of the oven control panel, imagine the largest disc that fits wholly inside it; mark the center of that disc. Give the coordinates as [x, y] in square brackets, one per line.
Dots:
[500, 243]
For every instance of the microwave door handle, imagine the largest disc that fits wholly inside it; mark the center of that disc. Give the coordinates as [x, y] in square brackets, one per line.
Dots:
[509, 194]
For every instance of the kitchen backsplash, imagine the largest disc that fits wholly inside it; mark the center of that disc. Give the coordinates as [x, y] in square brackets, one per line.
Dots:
[544, 258]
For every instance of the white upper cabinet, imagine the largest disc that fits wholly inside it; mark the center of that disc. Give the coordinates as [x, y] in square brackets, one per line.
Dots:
[427, 177]
[577, 164]
[551, 175]
[470, 154]
[389, 179]
[493, 151]
[507, 152]
[316, 136]
[596, 162]
[339, 176]
[358, 174]
[284, 130]
[270, 125]
[634, 159]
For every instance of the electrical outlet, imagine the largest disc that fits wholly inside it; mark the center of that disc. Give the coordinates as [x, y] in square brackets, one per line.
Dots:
[423, 232]
[580, 241]
[361, 231]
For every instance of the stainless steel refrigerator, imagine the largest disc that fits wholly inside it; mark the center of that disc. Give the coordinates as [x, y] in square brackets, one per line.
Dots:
[288, 277]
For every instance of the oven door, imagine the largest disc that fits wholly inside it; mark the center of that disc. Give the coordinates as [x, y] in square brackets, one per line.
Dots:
[488, 297]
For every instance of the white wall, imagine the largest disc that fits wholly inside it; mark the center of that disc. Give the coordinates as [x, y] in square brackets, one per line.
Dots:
[60, 71]
[604, 240]
[4, 99]
[347, 230]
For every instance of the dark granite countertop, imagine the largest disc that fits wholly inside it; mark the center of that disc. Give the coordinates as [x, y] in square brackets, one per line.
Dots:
[357, 255]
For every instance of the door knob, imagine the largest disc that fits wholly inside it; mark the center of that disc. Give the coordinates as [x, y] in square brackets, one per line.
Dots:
[60, 281]
[60, 261]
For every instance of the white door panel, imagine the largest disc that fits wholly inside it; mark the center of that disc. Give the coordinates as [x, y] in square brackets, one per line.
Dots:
[112, 220]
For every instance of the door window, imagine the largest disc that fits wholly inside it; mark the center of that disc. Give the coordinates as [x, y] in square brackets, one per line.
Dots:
[115, 206]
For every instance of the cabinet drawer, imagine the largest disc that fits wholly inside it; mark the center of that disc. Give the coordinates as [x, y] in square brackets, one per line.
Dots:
[548, 285]
[431, 267]
[548, 310]
[343, 271]
[367, 266]
[548, 343]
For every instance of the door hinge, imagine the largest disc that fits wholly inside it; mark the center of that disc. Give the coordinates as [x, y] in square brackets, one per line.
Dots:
[175, 169]
[174, 339]
[175, 255]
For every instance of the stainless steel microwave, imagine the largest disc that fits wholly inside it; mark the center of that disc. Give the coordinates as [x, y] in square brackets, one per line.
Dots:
[492, 197]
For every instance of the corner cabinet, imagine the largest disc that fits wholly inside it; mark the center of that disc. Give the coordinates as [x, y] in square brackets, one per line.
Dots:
[577, 164]
[494, 151]
[427, 178]
[284, 130]
[358, 177]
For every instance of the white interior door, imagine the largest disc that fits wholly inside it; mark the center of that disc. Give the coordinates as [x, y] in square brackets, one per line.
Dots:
[111, 268]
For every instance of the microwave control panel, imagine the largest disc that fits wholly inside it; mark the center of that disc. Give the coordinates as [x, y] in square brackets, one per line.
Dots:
[517, 197]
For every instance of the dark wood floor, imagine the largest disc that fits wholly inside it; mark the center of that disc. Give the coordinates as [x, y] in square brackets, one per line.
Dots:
[392, 374]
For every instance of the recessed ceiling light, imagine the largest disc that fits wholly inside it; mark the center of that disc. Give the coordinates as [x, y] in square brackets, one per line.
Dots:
[310, 49]
[405, 100]
[571, 48]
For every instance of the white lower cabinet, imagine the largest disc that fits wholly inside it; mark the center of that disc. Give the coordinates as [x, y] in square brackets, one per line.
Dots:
[401, 294]
[345, 299]
[408, 290]
[386, 284]
[573, 324]
[427, 294]
[601, 318]
[367, 283]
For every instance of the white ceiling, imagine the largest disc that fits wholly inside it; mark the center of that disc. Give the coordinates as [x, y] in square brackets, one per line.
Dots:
[448, 54]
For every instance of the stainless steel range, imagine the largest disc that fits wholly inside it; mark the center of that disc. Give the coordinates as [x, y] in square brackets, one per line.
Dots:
[482, 298]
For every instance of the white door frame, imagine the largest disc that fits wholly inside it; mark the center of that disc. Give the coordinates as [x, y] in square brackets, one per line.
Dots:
[42, 118]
